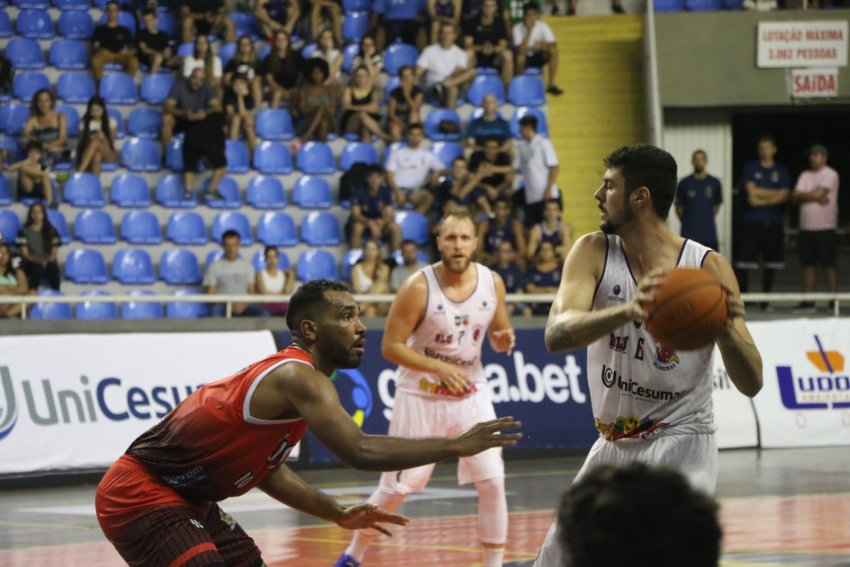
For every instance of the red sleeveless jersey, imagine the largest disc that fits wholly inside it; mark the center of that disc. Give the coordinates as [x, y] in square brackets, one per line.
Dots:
[209, 447]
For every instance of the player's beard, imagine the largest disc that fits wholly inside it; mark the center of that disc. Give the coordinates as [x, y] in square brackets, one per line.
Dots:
[610, 226]
[457, 265]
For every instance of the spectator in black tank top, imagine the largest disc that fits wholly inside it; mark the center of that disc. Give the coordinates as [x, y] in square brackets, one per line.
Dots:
[360, 107]
[405, 101]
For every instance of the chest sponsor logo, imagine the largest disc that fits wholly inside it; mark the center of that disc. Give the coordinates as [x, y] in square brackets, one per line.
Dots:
[618, 343]
[665, 358]
[461, 320]
[616, 294]
[611, 379]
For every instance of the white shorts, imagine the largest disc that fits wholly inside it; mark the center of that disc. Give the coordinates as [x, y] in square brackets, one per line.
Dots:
[420, 416]
[695, 456]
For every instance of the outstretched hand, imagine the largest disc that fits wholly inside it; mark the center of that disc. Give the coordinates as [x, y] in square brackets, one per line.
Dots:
[364, 516]
[486, 435]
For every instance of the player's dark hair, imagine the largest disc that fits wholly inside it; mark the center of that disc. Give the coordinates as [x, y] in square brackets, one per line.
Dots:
[308, 300]
[647, 166]
[685, 528]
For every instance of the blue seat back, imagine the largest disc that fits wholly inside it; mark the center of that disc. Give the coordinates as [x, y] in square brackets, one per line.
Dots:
[414, 226]
[246, 24]
[232, 220]
[14, 117]
[186, 227]
[75, 24]
[10, 224]
[169, 192]
[130, 190]
[140, 154]
[315, 158]
[266, 192]
[90, 310]
[72, 118]
[542, 125]
[118, 88]
[84, 190]
[145, 123]
[237, 157]
[316, 264]
[138, 310]
[348, 55]
[526, 90]
[321, 228]
[397, 56]
[354, 26]
[447, 152]
[75, 87]
[277, 229]
[133, 266]
[355, 152]
[272, 158]
[35, 23]
[51, 310]
[486, 85]
[312, 192]
[24, 53]
[69, 54]
[26, 84]
[94, 227]
[274, 124]
[86, 266]
[155, 88]
[186, 310]
[140, 227]
[432, 125]
[349, 259]
[229, 190]
[179, 267]
[226, 53]
[72, 4]
[5, 25]
[6, 196]
[57, 220]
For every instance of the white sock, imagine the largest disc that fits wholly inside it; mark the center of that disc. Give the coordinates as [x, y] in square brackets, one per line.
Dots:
[364, 538]
[492, 519]
[493, 556]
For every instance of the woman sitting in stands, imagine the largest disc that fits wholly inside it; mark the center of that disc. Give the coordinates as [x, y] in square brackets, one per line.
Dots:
[360, 107]
[48, 126]
[371, 276]
[282, 68]
[97, 137]
[316, 103]
[203, 56]
[39, 243]
[274, 281]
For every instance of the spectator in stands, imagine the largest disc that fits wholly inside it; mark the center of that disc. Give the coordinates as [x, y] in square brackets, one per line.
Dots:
[39, 244]
[113, 43]
[487, 42]
[535, 46]
[202, 57]
[445, 68]
[272, 280]
[326, 15]
[153, 46]
[96, 144]
[623, 494]
[538, 164]
[49, 127]
[372, 211]
[544, 276]
[409, 266]
[239, 111]
[370, 276]
[12, 282]
[282, 68]
[817, 194]
[462, 188]
[399, 20]
[205, 17]
[513, 276]
[512, 14]
[489, 125]
[232, 275]
[443, 12]
[502, 227]
[552, 229]
[193, 107]
[277, 15]
[246, 64]
[412, 170]
[33, 179]
[316, 103]
[698, 198]
[360, 112]
[6, 74]
[405, 102]
[370, 57]
[497, 172]
[327, 51]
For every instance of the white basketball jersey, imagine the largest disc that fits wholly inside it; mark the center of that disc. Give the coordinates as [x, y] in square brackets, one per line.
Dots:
[452, 332]
[639, 388]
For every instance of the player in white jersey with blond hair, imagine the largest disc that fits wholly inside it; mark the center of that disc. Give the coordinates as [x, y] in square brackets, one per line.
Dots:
[435, 330]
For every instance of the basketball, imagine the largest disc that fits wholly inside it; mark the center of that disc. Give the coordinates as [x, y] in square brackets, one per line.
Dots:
[688, 310]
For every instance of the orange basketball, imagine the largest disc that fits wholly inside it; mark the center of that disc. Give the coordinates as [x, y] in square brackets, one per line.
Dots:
[688, 310]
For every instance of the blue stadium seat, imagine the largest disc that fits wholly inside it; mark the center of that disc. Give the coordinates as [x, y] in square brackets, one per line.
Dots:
[13, 117]
[24, 53]
[215, 255]
[139, 310]
[125, 19]
[30, 4]
[392, 84]
[26, 84]
[167, 24]
[274, 124]
[308, 50]
[542, 125]
[259, 261]
[277, 229]
[238, 160]
[273, 158]
[91, 310]
[6, 196]
[356, 6]
[486, 85]
[245, 24]
[312, 192]
[321, 228]
[129, 190]
[75, 24]
[669, 5]
[315, 158]
[179, 267]
[350, 258]
[10, 224]
[51, 310]
[133, 266]
[186, 227]
[186, 310]
[72, 118]
[348, 55]
[94, 227]
[145, 123]
[355, 152]
[703, 5]
[526, 90]
[266, 192]
[69, 54]
[118, 88]
[5, 25]
[447, 152]
[169, 192]
[155, 88]
[14, 152]
[86, 266]
[174, 154]
[432, 125]
[72, 4]
[316, 264]
[139, 154]
[118, 118]
[226, 53]
[397, 56]
[185, 49]
[84, 190]
[733, 4]
[35, 23]
[75, 87]
[354, 26]
[232, 220]
[397, 258]
[414, 226]
[57, 220]
[140, 227]
[230, 190]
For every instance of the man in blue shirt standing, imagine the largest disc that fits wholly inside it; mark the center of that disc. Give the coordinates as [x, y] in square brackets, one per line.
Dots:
[768, 187]
[698, 199]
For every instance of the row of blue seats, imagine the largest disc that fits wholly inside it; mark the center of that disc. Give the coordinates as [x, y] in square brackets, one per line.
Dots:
[130, 310]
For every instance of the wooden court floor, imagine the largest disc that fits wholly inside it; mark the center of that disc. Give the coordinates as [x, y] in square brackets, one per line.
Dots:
[779, 507]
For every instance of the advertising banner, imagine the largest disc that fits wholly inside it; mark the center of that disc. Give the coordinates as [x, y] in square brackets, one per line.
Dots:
[78, 401]
[802, 44]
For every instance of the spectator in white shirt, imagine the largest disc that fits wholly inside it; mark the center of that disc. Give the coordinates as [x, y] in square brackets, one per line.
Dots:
[411, 170]
[535, 46]
[538, 164]
[445, 67]
[203, 57]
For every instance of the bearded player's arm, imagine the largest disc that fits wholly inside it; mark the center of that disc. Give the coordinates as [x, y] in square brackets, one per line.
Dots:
[502, 337]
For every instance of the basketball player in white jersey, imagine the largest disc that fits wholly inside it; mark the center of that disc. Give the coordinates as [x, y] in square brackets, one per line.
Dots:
[650, 404]
[435, 329]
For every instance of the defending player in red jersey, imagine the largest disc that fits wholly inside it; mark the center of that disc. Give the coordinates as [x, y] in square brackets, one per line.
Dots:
[157, 503]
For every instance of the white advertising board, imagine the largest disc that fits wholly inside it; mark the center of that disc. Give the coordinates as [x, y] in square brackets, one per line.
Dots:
[802, 44]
